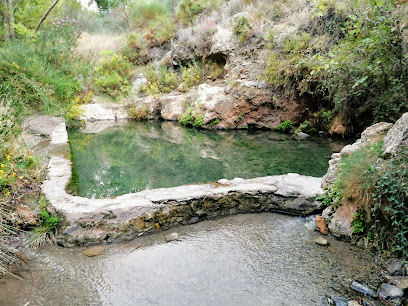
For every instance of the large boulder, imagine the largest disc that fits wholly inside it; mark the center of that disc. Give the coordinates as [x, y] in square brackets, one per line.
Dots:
[370, 135]
[397, 137]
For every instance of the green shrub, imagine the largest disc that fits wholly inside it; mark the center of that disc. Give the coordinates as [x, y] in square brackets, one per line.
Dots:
[362, 74]
[187, 10]
[143, 12]
[159, 80]
[242, 29]
[112, 76]
[42, 74]
[135, 49]
[389, 211]
[139, 113]
[285, 127]
[191, 75]
[188, 119]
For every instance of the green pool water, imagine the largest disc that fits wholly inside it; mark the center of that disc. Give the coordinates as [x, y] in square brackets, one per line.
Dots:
[137, 155]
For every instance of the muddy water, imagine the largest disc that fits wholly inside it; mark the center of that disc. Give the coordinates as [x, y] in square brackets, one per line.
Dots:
[254, 259]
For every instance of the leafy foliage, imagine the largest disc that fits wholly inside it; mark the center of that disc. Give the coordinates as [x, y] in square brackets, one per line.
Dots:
[285, 127]
[113, 74]
[363, 74]
[390, 197]
[242, 28]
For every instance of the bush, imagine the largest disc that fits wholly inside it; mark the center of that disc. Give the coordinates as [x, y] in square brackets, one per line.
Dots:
[389, 212]
[136, 49]
[159, 80]
[187, 10]
[285, 127]
[42, 74]
[191, 75]
[190, 119]
[143, 12]
[113, 74]
[242, 28]
[362, 74]
[139, 113]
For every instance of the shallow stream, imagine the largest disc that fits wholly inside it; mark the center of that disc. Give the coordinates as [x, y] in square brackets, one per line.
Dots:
[253, 259]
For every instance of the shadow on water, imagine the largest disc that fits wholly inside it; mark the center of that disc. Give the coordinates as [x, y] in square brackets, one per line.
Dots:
[147, 155]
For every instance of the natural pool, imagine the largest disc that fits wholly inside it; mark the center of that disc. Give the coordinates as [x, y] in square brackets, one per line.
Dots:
[134, 156]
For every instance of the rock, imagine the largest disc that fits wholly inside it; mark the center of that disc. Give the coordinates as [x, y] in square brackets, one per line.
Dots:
[94, 251]
[222, 181]
[399, 281]
[71, 229]
[321, 241]
[363, 289]
[327, 213]
[42, 125]
[311, 223]
[302, 136]
[172, 236]
[321, 225]
[61, 243]
[340, 224]
[395, 267]
[24, 216]
[370, 135]
[353, 303]
[172, 107]
[388, 291]
[338, 301]
[396, 137]
[92, 112]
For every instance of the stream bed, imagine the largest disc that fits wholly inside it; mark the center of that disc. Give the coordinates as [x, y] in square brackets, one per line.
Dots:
[251, 259]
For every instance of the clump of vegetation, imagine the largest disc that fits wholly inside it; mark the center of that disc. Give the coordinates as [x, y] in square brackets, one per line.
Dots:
[139, 113]
[187, 10]
[242, 29]
[159, 80]
[362, 74]
[389, 212]
[285, 127]
[189, 118]
[136, 49]
[381, 192]
[45, 232]
[191, 75]
[113, 74]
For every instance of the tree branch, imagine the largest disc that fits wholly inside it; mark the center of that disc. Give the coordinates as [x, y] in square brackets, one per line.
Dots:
[45, 16]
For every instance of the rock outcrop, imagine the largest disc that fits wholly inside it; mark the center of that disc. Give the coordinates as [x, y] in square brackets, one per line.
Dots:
[395, 136]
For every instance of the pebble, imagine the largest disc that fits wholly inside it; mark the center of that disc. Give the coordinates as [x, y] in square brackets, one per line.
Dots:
[172, 236]
[321, 241]
[94, 251]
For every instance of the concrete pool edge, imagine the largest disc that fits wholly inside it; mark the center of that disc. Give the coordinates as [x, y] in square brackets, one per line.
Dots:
[96, 220]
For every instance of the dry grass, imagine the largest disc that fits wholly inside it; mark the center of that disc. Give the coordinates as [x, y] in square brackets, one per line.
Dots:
[92, 44]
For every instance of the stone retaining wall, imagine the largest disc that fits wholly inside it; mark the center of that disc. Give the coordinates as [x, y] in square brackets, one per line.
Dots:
[97, 220]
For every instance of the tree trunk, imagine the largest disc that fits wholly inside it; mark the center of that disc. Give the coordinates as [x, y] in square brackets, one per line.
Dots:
[11, 19]
[45, 15]
[4, 15]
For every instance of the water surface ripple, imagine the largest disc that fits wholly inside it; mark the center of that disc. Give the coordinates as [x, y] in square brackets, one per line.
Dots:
[253, 259]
